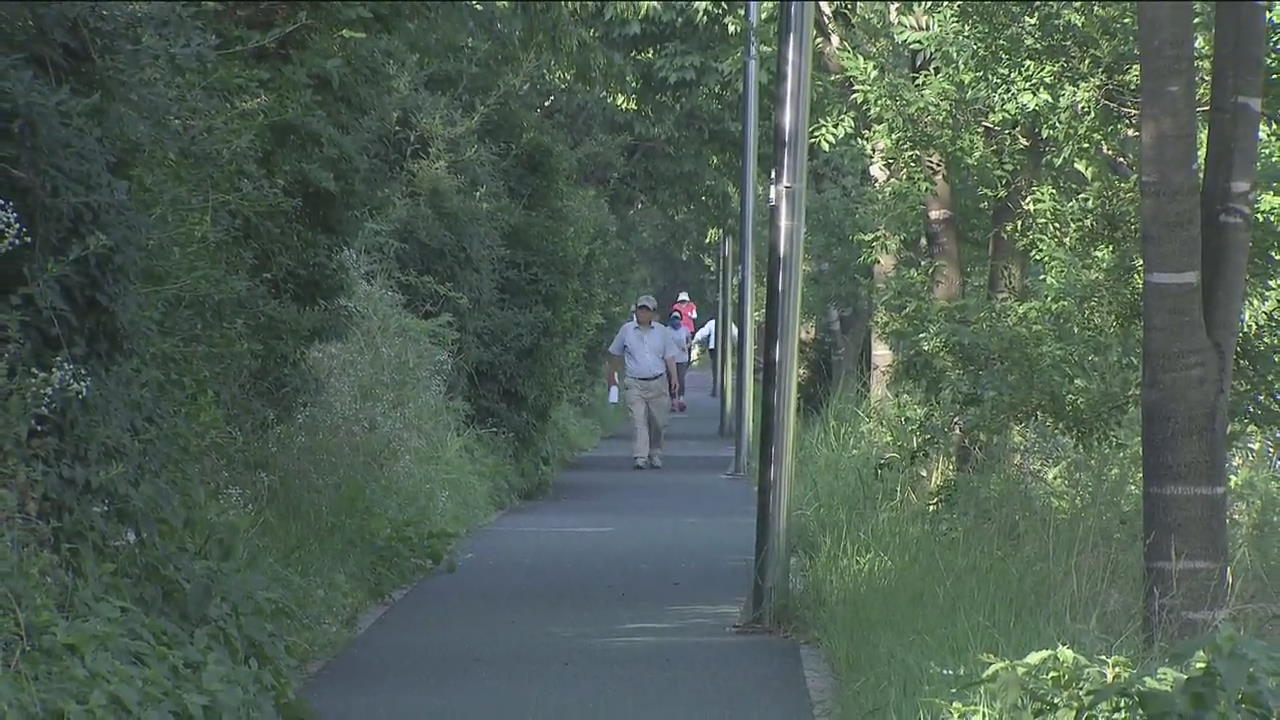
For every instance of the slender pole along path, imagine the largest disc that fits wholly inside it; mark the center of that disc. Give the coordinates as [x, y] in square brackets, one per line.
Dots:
[611, 598]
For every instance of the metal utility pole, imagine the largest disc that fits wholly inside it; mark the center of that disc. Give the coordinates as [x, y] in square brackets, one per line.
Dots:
[745, 377]
[782, 308]
[723, 337]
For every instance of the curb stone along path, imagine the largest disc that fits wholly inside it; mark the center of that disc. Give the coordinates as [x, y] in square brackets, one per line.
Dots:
[820, 682]
[612, 598]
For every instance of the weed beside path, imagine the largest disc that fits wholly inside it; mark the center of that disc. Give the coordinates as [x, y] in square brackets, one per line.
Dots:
[909, 575]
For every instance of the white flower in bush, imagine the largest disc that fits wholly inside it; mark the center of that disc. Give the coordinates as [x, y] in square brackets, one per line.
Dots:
[64, 377]
[12, 232]
[234, 496]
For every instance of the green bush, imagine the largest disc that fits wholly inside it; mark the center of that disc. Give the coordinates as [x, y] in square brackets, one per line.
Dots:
[1221, 676]
[372, 480]
[281, 541]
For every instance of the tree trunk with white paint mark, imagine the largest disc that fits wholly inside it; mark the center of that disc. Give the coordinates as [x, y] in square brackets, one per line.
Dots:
[881, 355]
[881, 350]
[1230, 175]
[850, 327]
[942, 233]
[1192, 290]
[942, 239]
[1183, 508]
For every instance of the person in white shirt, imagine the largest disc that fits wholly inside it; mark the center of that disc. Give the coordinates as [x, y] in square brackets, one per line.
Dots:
[683, 341]
[706, 335]
[647, 352]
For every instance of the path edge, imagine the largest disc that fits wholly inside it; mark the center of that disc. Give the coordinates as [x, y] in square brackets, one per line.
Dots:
[373, 612]
[819, 680]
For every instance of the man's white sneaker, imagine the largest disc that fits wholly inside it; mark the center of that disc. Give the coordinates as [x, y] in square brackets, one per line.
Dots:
[641, 464]
[655, 462]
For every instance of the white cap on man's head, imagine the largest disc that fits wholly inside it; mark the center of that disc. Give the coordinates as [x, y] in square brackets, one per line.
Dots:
[647, 301]
[682, 297]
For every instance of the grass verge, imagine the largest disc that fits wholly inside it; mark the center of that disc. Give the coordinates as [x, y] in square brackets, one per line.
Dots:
[908, 576]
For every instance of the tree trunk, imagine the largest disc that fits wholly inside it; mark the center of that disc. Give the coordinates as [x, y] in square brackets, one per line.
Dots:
[845, 350]
[1184, 513]
[854, 338]
[1226, 198]
[848, 329]
[942, 239]
[1006, 263]
[942, 233]
[856, 326]
[828, 39]
[881, 350]
[836, 339]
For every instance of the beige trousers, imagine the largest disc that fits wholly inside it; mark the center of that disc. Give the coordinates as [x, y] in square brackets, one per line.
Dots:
[650, 404]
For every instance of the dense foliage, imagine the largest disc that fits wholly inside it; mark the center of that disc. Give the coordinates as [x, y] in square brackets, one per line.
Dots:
[986, 501]
[293, 294]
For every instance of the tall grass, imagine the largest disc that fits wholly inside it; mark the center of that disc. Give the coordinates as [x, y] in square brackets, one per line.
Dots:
[908, 573]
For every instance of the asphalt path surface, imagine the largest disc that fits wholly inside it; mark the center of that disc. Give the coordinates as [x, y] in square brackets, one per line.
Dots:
[613, 597]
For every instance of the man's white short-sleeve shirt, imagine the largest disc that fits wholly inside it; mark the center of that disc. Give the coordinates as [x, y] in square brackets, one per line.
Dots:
[707, 333]
[644, 351]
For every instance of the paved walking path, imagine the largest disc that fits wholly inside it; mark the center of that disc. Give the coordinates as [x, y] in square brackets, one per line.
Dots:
[611, 598]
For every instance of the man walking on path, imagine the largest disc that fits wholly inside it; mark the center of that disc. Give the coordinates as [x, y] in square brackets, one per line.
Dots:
[647, 352]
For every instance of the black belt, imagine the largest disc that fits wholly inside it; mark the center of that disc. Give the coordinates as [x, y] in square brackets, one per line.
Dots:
[650, 379]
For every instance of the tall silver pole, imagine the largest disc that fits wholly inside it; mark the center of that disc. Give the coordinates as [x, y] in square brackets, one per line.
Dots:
[782, 308]
[745, 377]
[724, 336]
